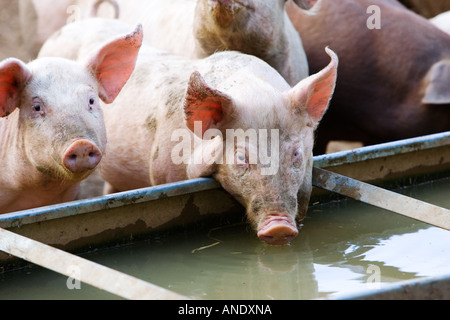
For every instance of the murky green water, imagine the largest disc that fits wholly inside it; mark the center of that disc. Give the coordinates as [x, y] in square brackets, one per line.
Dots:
[343, 247]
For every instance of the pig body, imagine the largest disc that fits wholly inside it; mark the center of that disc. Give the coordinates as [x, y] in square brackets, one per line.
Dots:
[52, 133]
[13, 42]
[39, 19]
[392, 81]
[171, 121]
[197, 29]
[194, 29]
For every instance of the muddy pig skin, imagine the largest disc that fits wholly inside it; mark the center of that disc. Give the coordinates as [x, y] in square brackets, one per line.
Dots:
[393, 81]
[197, 29]
[172, 122]
[194, 29]
[52, 132]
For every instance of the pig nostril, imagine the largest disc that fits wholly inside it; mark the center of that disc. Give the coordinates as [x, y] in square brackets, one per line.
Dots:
[81, 156]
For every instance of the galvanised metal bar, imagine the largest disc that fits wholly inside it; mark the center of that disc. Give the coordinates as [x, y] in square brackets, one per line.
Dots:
[382, 198]
[19, 218]
[383, 150]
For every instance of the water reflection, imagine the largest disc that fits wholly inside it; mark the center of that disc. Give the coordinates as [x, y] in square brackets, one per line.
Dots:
[337, 250]
[423, 253]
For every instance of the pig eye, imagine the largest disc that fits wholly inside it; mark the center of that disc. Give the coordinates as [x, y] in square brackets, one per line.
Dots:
[37, 107]
[91, 103]
[297, 155]
[240, 157]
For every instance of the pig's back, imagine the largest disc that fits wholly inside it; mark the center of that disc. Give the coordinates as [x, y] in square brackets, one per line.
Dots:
[167, 24]
[76, 40]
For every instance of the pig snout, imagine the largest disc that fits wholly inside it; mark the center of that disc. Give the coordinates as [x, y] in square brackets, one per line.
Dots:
[277, 230]
[81, 156]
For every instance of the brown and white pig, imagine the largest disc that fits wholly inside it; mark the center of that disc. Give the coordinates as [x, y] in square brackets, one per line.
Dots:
[178, 119]
[197, 29]
[393, 81]
[52, 132]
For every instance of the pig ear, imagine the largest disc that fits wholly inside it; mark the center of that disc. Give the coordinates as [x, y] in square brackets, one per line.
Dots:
[314, 93]
[438, 80]
[13, 76]
[205, 104]
[114, 63]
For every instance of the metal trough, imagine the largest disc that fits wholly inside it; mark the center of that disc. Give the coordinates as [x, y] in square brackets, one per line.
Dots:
[432, 288]
[107, 220]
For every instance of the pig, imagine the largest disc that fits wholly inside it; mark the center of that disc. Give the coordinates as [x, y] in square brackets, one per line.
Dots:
[178, 119]
[197, 29]
[52, 132]
[39, 19]
[442, 21]
[393, 81]
[12, 42]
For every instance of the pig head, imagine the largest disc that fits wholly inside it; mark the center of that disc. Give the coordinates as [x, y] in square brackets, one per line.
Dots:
[274, 189]
[52, 133]
[257, 27]
[198, 29]
[392, 81]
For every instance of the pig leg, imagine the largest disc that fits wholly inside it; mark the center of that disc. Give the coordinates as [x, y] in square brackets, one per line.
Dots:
[109, 189]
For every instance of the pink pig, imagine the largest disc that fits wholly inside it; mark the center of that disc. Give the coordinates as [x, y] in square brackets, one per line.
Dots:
[178, 119]
[197, 29]
[192, 29]
[52, 132]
